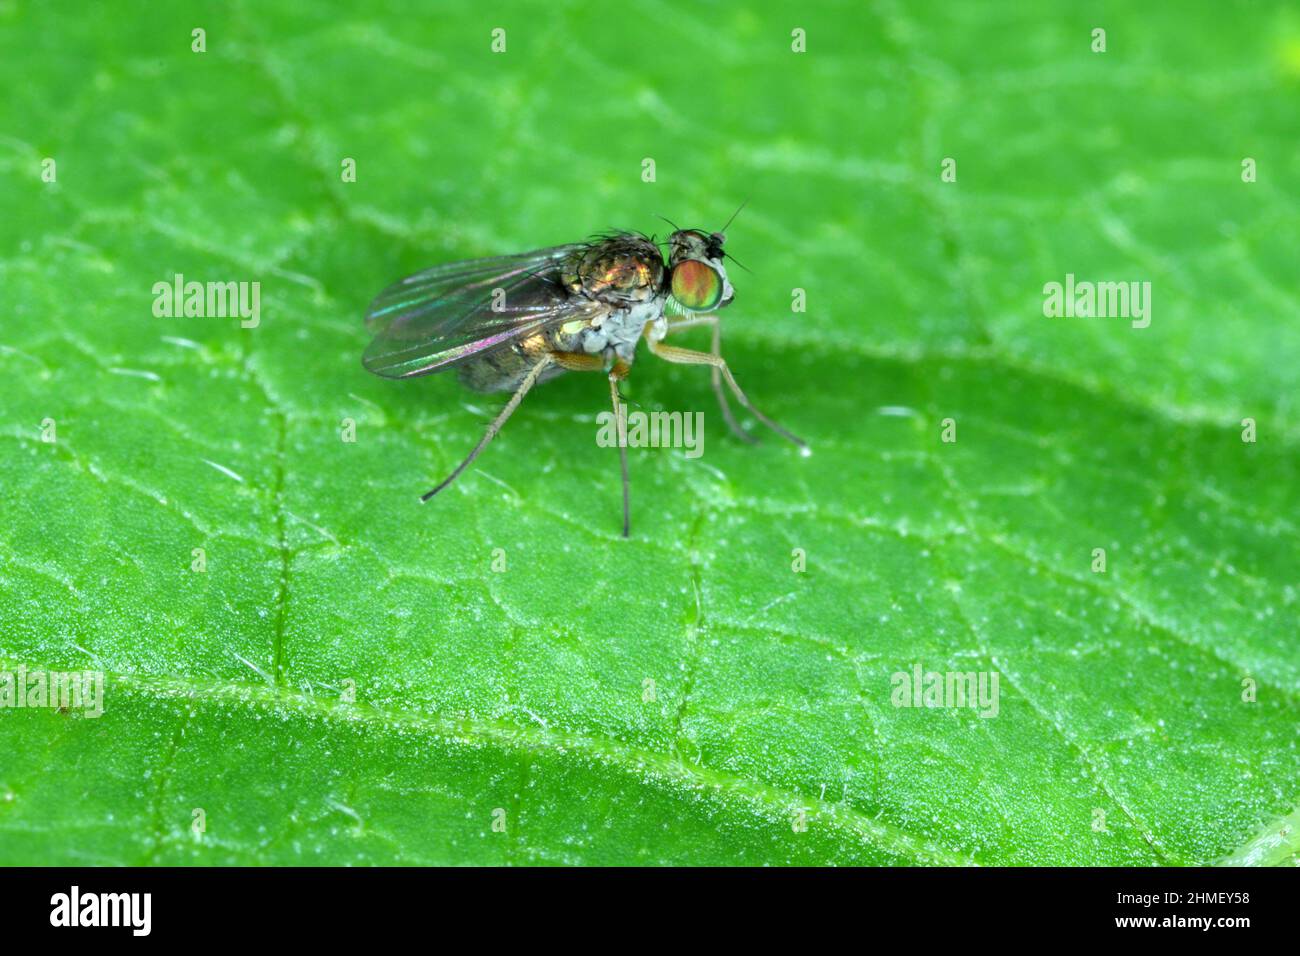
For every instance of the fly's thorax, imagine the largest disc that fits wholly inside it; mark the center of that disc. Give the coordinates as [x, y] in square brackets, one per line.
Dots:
[616, 335]
[619, 270]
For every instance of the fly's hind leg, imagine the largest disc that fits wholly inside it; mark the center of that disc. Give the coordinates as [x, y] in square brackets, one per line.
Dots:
[716, 373]
[672, 353]
[528, 382]
[577, 362]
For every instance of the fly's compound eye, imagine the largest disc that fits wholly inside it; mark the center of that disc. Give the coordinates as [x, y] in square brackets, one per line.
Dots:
[697, 285]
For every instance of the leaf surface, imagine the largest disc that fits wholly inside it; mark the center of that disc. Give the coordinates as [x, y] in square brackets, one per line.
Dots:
[351, 682]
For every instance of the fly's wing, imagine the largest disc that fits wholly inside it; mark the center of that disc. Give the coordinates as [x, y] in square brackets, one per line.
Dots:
[445, 315]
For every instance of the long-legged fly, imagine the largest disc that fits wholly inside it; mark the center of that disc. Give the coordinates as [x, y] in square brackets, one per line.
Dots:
[510, 322]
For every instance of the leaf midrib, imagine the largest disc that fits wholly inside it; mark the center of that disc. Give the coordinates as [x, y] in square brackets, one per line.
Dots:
[524, 739]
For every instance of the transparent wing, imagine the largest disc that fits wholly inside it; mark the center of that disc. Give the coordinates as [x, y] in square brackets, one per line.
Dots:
[450, 313]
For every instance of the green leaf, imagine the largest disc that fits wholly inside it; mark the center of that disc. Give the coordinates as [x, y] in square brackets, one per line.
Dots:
[350, 681]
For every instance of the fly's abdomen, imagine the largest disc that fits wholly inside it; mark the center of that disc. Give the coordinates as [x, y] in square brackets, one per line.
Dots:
[504, 369]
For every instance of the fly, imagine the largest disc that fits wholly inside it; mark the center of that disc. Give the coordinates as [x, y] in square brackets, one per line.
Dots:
[510, 322]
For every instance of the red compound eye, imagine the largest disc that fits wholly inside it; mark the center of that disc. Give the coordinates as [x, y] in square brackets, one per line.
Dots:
[696, 285]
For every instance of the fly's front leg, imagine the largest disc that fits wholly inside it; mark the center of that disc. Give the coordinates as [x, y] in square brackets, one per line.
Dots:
[691, 321]
[578, 362]
[715, 372]
[672, 353]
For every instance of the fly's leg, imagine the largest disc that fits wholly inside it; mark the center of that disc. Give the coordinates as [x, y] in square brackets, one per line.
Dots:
[691, 321]
[715, 372]
[616, 375]
[529, 381]
[680, 356]
[576, 362]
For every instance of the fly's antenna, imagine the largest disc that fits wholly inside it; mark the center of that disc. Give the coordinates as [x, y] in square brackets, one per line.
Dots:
[721, 236]
[723, 230]
[722, 233]
[738, 262]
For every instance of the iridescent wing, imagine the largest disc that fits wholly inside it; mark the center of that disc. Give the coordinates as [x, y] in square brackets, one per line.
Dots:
[448, 314]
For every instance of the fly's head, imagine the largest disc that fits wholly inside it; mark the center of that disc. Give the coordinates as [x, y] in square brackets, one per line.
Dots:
[697, 278]
[621, 269]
